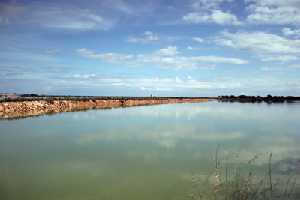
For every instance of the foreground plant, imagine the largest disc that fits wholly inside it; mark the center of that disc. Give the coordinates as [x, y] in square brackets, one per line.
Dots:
[230, 182]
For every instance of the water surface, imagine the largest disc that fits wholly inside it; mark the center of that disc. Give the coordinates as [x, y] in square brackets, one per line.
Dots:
[139, 153]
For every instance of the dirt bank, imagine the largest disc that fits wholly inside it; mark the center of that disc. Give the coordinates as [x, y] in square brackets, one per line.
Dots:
[19, 109]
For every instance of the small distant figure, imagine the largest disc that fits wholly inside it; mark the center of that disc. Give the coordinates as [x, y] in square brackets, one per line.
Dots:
[151, 95]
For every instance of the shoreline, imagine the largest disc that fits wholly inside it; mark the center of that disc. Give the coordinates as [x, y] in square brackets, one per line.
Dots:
[22, 108]
[29, 106]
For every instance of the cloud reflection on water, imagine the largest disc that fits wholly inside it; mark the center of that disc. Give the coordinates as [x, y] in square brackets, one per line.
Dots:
[245, 128]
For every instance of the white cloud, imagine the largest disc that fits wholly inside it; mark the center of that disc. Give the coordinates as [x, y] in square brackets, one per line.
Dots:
[150, 83]
[198, 39]
[83, 76]
[217, 59]
[276, 2]
[266, 46]
[273, 11]
[107, 57]
[207, 4]
[271, 69]
[169, 84]
[193, 48]
[146, 37]
[259, 42]
[291, 32]
[165, 60]
[72, 19]
[169, 51]
[215, 16]
[210, 11]
[165, 57]
[55, 17]
[279, 58]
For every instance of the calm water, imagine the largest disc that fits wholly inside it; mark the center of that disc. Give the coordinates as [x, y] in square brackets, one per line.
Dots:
[139, 153]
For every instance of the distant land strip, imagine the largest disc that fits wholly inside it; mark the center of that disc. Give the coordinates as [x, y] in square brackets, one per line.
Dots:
[13, 106]
[28, 106]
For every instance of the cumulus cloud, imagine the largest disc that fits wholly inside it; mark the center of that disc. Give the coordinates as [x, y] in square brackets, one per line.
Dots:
[266, 46]
[269, 47]
[72, 19]
[210, 11]
[165, 84]
[198, 39]
[279, 58]
[107, 57]
[273, 11]
[169, 51]
[146, 37]
[83, 76]
[148, 83]
[175, 84]
[291, 32]
[215, 16]
[207, 4]
[164, 57]
[55, 17]
[217, 59]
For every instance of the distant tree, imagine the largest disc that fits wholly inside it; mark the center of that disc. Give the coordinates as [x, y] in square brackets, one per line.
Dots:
[29, 95]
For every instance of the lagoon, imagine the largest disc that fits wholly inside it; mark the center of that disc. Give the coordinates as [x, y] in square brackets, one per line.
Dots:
[142, 153]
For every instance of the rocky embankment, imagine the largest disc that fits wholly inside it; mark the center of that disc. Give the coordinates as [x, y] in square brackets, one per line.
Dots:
[19, 109]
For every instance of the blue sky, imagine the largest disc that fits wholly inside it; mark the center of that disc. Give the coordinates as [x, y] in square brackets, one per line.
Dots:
[159, 47]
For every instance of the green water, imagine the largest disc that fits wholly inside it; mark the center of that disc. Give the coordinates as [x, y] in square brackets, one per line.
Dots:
[140, 153]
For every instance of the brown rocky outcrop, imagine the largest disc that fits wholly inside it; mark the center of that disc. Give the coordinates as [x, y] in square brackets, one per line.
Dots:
[18, 109]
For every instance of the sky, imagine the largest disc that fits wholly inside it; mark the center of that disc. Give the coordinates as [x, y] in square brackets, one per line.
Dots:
[143, 48]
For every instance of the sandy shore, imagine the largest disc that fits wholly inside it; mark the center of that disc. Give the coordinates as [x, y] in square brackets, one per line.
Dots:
[27, 108]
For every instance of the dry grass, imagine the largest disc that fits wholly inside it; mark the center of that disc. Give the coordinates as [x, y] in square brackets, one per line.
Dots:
[228, 182]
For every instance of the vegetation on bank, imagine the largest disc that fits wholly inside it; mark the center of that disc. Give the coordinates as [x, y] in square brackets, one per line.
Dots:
[36, 97]
[258, 99]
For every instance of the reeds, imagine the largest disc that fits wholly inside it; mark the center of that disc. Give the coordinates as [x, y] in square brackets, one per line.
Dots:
[240, 182]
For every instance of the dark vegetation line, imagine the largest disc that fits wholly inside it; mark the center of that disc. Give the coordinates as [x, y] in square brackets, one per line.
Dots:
[36, 97]
[4, 97]
[258, 99]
